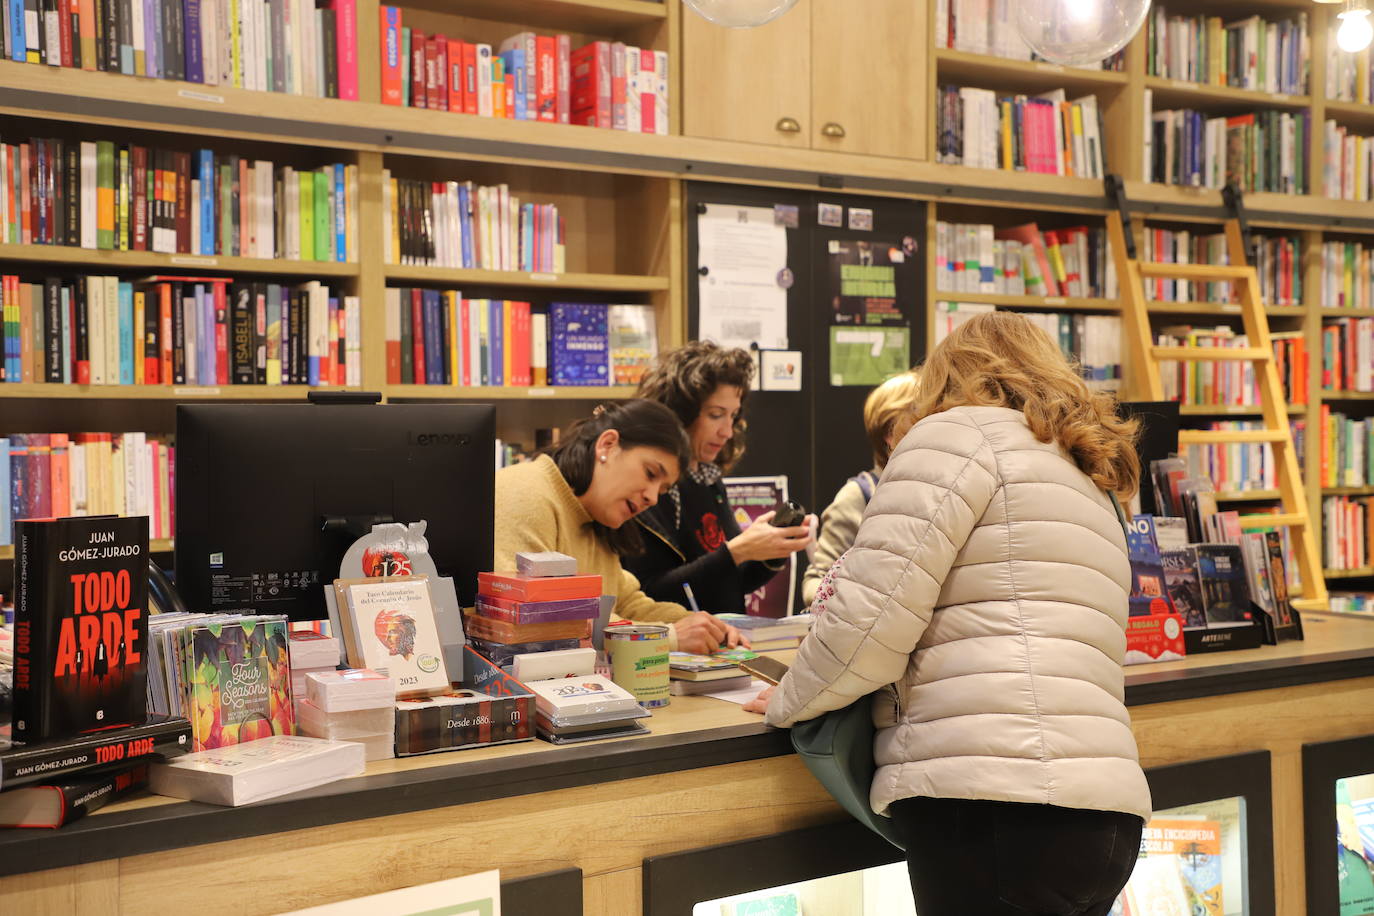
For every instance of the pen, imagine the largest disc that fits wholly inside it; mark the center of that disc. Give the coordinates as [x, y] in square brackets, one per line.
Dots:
[691, 599]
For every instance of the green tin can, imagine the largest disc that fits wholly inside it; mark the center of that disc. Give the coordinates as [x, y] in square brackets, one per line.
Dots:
[639, 662]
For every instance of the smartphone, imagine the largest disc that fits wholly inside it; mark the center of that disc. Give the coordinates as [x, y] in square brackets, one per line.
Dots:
[788, 514]
[765, 668]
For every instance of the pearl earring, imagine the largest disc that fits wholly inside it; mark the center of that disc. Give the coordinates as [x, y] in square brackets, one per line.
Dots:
[603, 459]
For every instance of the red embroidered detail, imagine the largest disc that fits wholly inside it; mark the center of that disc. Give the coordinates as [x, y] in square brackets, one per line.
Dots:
[709, 535]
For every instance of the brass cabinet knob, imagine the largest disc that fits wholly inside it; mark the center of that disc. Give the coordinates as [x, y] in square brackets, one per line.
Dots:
[788, 125]
[833, 130]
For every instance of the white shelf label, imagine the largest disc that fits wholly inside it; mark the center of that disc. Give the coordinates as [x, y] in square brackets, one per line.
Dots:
[201, 96]
[541, 392]
[196, 392]
[545, 278]
[1055, 300]
[192, 261]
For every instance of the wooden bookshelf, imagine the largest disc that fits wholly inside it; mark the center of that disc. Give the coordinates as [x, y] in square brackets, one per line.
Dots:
[1362, 572]
[156, 545]
[1354, 115]
[560, 15]
[1161, 307]
[1230, 410]
[1246, 496]
[1347, 491]
[1174, 93]
[1037, 303]
[610, 283]
[508, 393]
[97, 259]
[161, 392]
[1346, 313]
[1347, 395]
[962, 68]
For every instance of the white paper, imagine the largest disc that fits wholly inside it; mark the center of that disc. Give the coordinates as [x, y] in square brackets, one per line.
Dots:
[781, 370]
[743, 252]
[471, 895]
[740, 695]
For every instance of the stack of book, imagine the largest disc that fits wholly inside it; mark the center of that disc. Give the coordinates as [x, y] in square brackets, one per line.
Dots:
[46, 475]
[1352, 602]
[1093, 342]
[770, 633]
[351, 705]
[585, 707]
[1252, 53]
[174, 330]
[517, 615]
[989, 27]
[459, 224]
[1234, 467]
[703, 673]
[253, 771]
[1348, 532]
[1277, 259]
[290, 47]
[1262, 151]
[310, 653]
[528, 77]
[1218, 383]
[1346, 168]
[80, 723]
[1023, 261]
[1048, 133]
[437, 337]
[1347, 450]
[126, 197]
[1348, 354]
[1347, 276]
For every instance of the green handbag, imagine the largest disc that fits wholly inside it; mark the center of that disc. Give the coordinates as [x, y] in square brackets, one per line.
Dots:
[838, 750]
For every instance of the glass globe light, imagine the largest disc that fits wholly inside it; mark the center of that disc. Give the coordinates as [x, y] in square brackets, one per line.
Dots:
[1355, 32]
[740, 14]
[1077, 32]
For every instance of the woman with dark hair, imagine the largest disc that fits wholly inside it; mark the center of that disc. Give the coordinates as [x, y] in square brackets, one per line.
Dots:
[577, 499]
[693, 536]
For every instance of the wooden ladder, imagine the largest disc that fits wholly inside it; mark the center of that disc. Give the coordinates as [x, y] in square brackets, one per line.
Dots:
[1144, 358]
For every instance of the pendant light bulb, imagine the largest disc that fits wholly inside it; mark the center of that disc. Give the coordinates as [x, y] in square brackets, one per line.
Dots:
[1079, 32]
[740, 14]
[1356, 30]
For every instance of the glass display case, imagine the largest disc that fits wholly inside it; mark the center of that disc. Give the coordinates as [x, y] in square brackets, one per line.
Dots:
[1193, 860]
[883, 890]
[1338, 822]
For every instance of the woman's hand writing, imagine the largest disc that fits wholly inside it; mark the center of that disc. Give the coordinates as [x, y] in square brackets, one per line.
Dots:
[701, 633]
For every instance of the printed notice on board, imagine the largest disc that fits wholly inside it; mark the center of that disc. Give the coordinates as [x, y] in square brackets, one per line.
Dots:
[742, 253]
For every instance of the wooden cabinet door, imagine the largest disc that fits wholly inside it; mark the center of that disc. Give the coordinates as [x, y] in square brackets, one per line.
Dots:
[749, 84]
[869, 84]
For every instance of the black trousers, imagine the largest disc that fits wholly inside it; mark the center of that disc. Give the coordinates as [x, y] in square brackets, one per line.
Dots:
[993, 858]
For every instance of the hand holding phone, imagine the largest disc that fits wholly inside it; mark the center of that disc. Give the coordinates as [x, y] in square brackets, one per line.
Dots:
[788, 515]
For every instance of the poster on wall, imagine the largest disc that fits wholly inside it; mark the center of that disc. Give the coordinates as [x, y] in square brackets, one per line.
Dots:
[870, 324]
[470, 895]
[751, 497]
[742, 277]
[1355, 844]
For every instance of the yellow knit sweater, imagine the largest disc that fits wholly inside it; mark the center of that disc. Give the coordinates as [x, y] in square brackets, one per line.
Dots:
[536, 510]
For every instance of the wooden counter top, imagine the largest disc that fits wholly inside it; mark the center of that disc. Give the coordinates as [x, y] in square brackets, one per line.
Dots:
[691, 733]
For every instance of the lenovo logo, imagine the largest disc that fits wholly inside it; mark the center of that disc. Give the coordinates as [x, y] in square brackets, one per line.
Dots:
[427, 439]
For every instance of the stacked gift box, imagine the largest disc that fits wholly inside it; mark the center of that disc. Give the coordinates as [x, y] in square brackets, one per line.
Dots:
[518, 613]
[356, 704]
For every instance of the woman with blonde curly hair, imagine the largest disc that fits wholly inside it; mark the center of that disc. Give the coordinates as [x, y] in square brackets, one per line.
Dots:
[693, 536]
[984, 600]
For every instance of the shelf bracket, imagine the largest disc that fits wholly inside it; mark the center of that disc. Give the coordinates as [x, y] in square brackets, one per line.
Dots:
[1234, 200]
[1116, 199]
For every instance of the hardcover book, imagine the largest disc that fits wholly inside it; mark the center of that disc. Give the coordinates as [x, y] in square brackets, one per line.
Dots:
[80, 626]
[521, 588]
[578, 344]
[389, 626]
[1181, 579]
[1149, 594]
[238, 678]
[60, 803]
[25, 764]
[1221, 579]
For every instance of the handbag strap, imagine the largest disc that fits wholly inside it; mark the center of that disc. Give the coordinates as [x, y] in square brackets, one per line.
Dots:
[1120, 514]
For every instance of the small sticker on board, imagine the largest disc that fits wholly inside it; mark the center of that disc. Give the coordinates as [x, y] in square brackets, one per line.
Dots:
[786, 215]
[830, 215]
[860, 219]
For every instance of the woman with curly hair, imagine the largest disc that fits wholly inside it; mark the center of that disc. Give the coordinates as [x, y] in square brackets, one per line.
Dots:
[692, 536]
[985, 600]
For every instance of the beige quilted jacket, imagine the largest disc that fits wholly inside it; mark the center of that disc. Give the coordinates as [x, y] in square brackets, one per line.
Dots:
[984, 600]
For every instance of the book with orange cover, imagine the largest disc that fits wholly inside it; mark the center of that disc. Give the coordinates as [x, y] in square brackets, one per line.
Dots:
[503, 631]
[556, 588]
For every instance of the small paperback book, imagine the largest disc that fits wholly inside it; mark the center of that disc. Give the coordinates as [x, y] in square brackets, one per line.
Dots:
[80, 625]
[389, 626]
[1221, 576]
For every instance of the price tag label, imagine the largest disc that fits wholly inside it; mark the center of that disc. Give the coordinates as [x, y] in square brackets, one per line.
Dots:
[190, 261]
[201, 96]
[541, 392]
[196, 392]
[545, 278]
[1055, 300]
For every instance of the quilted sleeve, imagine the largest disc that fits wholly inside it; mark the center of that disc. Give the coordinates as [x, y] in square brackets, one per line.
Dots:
[936, 487]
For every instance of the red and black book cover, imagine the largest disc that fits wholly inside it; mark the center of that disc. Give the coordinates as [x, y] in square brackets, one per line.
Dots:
[59, 803]
[46, 761]
[80, 626]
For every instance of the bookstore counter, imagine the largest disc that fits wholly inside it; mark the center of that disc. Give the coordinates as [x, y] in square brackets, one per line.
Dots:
[637, 825]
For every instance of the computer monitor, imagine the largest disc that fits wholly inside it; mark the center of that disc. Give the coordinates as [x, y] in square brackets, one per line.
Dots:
[1158, 440]
[270, 496]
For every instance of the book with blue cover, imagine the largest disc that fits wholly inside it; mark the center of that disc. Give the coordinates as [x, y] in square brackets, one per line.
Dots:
[579, 344]
[1149, 591]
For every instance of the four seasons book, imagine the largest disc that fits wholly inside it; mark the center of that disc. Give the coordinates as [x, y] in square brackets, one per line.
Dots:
[238, 679]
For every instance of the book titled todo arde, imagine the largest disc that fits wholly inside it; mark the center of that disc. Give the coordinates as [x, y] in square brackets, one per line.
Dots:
[81, 588]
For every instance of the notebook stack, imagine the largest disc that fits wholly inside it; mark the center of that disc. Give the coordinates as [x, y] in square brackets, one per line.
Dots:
[770, 633]
[355, 704]
[310, 653]
[584, 707]
[531, 611]
[721, 665]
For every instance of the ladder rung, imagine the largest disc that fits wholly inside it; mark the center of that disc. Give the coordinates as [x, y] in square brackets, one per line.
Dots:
[1201, 272]
[1291, 519]
[1225, 436]
[1250, 354]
